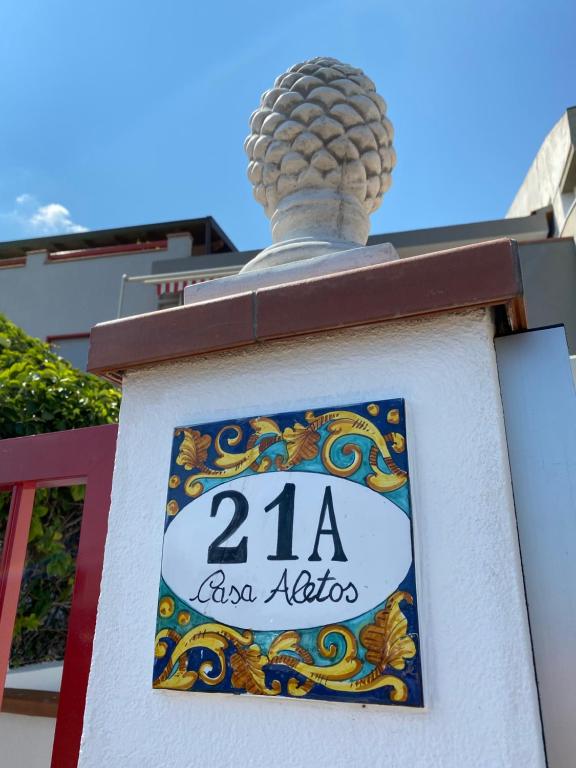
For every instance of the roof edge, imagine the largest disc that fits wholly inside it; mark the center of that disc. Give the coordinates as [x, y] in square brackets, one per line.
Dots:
[115, 236]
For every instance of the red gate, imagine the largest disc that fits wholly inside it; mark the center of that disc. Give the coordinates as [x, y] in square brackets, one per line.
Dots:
[74, 457]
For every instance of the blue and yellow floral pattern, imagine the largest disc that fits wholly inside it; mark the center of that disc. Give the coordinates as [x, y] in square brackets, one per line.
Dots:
[372, 658]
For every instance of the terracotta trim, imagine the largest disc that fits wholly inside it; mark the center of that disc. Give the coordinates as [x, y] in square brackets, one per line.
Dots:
[16, 261]
[109, 250]
[464, 277]
[19, 701]
[170, 334]
[481, 275]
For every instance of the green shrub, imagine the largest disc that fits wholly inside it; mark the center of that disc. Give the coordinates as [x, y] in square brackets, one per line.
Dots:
[41, 392]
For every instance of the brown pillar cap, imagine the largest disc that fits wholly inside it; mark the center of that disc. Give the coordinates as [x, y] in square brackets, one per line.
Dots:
[481, 275]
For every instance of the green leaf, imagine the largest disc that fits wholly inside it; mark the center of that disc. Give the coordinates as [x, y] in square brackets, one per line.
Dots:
[36, 529]
[77, 492]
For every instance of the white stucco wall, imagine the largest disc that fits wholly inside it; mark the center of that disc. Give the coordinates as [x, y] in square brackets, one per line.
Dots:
[26, 742]
[479, 683]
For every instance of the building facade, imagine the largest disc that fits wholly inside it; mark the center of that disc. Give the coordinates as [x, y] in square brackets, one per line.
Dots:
[57, 288]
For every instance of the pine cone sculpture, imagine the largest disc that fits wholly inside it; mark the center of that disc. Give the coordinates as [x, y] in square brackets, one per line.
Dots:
[322, 127]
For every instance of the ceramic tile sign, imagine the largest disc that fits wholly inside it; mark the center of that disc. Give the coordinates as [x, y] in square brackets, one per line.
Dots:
[287, 566]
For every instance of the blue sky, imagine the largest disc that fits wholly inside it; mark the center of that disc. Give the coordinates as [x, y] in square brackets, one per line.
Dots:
[122, 112]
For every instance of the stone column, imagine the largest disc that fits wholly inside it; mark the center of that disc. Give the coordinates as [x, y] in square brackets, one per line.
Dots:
[440, 673]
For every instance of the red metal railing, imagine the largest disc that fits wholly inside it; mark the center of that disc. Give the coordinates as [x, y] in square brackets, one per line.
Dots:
[74, 457]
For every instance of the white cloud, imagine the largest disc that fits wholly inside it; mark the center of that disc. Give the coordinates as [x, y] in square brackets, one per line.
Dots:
[24, 199]
[35, 219]
[54, 219]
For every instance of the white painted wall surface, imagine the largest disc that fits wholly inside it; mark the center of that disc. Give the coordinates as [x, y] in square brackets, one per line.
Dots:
[46, 676]
[26, 742]
[479, 682]
[539, 406]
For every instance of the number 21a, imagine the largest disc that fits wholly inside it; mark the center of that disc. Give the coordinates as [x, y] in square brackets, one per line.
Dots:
[285, 503]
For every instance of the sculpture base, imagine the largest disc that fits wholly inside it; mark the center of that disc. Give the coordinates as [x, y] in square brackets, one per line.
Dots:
[298, 249]
[302, 269]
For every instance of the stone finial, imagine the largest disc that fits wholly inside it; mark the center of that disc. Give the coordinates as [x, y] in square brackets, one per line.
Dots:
[321, 155]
